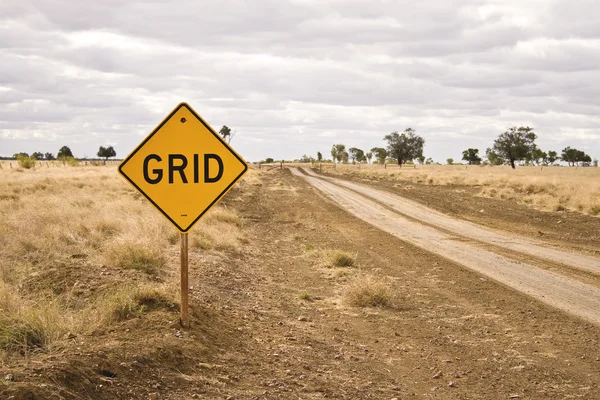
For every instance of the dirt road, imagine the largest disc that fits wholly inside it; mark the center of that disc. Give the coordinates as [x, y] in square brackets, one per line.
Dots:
[510, 241]
[464, 243]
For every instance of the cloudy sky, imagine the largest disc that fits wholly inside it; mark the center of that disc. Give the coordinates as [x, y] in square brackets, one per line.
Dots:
[295, 77]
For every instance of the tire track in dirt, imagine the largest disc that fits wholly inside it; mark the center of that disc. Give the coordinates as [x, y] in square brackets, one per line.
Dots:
[549, 287]
[520, 244]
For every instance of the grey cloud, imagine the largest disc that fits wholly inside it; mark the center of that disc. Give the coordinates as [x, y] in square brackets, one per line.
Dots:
[294, 77]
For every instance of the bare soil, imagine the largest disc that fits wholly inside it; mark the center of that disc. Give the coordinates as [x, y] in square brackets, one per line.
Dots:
[451, 334]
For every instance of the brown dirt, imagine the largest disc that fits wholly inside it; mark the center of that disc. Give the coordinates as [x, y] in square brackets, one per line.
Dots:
[451, 334]
[463, 201]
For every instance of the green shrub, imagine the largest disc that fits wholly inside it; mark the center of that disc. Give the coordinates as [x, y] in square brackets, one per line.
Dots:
[26, 162]
[68, 160]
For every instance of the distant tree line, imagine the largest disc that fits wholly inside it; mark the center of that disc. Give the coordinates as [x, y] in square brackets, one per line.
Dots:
[515, 145]
[64, 154]
[401, 148]
[103, 152]
[518, 145]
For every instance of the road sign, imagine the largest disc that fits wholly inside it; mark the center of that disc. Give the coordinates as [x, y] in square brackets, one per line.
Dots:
[183, 167]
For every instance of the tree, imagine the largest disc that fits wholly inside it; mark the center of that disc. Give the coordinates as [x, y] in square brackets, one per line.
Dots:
[21, 155]
[356, 154]
[404, 147]
[569, 155]
[552, 157]
[368, 156]
[540, 156]
[380, 154]
[319, 156]
[337, 151]
[306, 159]
[536, 157]
[269, 160]
[493, 157]
[471, 156]
[515, 144]
[361, 156]
[106, 152]
[37, 155]
[574, 156]
[449, 161]
[344, 157]
[64, 152]
[49, 156]
[226, 133]
[421, 160]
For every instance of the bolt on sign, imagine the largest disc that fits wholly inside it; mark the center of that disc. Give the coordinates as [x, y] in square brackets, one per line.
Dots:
[183, 167]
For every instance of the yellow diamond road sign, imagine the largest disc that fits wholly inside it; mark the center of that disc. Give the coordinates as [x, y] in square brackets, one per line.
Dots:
[183, 167]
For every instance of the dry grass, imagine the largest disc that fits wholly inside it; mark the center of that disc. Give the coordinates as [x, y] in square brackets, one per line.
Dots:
[21, 335]
[29, 325]
[252, 178]
[304, 295]
[547, 188]
[222, 214]
[368, 291]
[129, 301]
[136, 256]
[58, 221]
[217, 234]
[338, 258]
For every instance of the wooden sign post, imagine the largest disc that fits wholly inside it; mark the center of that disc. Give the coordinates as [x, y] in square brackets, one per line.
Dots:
[185, 287]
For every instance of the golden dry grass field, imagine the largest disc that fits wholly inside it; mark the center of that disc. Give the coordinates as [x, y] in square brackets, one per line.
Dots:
[80, 250]
[544, 188]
